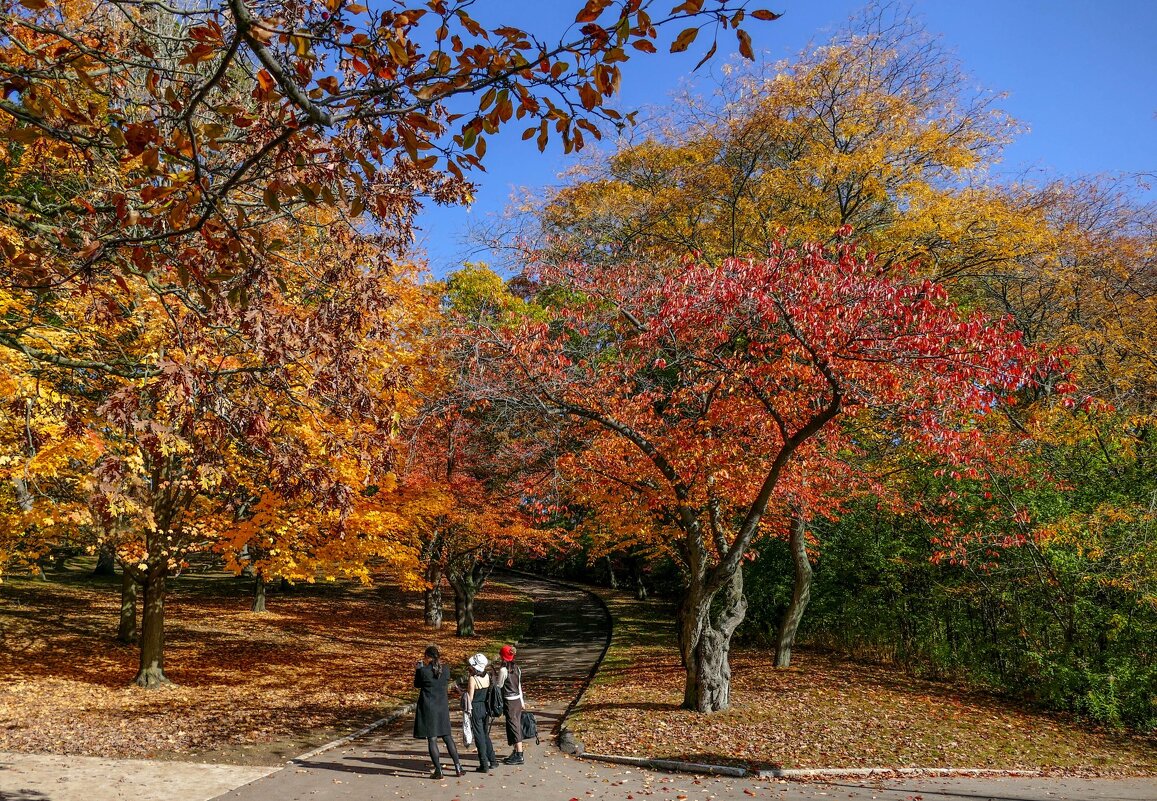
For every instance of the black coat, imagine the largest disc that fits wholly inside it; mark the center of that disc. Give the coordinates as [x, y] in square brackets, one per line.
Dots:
[432, 718]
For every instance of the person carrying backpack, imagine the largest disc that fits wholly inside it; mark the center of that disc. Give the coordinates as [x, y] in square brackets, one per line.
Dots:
[479, 709]
[510, 680]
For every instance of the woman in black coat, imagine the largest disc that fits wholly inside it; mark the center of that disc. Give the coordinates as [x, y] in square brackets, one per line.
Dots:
[432, 718]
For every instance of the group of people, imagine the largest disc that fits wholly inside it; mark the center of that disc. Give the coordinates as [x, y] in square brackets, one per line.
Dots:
[432, 719]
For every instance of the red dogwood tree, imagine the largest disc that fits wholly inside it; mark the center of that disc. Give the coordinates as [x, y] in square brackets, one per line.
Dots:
[716, 394]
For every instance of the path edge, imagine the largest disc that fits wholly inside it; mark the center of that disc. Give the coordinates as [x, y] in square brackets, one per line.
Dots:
[565, 740]
[393, 715]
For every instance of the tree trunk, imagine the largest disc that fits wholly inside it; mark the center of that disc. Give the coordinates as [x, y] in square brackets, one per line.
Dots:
[258, 592]
[432, 597]
[432, 606]
[612, 579]
[105, 562]
[636, 571]
[464, 609]
[127, 630]
[466, 584]
[152, 671]
[800, 594]
[706, 625]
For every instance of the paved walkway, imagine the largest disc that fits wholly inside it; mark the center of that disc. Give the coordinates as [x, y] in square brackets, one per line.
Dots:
[564, 641]
[49, 777]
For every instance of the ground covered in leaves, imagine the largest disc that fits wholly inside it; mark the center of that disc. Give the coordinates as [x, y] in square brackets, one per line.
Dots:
[249, 688]
[824, 712]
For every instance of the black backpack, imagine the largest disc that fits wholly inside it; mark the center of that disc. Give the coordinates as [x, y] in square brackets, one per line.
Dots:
[529, 727]
[494, 705]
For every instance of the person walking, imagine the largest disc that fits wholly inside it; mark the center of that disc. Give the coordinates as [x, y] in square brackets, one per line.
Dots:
[510, 680]
[432, 718]
[476, 691]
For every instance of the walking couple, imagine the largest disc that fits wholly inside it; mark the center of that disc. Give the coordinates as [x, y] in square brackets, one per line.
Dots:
[481, 704]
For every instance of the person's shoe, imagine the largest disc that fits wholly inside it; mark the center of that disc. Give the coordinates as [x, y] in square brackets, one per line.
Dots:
[437, 774]
[515, 759]
[482, 769]
[458, 771]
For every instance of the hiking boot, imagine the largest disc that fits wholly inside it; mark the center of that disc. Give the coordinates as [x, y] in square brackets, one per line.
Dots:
[515, 759]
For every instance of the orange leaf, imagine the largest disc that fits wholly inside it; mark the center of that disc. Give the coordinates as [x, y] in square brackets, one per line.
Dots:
[684, 40]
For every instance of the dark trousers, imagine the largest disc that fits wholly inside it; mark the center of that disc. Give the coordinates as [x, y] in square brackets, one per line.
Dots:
[480, 723]
[435, 757]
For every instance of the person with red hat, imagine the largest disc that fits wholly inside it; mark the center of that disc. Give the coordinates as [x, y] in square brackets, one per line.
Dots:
[510, 679]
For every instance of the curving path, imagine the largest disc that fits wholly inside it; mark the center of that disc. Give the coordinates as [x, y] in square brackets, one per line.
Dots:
[565, 640]
[564, 643]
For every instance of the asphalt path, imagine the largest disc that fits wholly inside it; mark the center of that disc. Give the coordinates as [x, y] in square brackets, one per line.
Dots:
[564, 642]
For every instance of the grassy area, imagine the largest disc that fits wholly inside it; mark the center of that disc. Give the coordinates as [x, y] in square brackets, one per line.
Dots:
[823, 712]
[250, 688]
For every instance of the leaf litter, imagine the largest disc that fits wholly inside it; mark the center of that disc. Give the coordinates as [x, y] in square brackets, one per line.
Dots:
[248, 688]
[825, 712]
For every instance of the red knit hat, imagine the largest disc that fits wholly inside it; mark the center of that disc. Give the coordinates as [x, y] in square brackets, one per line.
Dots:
[506, 653]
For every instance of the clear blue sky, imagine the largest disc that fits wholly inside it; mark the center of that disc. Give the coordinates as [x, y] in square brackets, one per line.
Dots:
[1081, 75]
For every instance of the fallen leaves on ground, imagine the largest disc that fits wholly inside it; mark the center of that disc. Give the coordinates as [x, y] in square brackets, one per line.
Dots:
[249, 688]
[824, 712]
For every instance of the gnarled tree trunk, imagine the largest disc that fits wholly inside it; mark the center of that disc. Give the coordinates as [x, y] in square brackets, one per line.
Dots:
[127, 628]
[432, 553]
[466, 580]
[706, 625]
[465, 590]
[152, 667]
[800, 594]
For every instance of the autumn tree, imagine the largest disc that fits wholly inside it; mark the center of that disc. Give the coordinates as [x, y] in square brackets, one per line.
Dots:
[470, 471]
[712, 389]
[879, 128]
[233, 112]
[463, 508]
[165, 279]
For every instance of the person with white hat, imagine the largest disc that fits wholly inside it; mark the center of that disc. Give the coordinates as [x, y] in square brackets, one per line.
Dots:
[476, 692]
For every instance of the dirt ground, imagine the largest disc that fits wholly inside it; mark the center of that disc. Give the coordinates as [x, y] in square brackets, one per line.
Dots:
[248, 688]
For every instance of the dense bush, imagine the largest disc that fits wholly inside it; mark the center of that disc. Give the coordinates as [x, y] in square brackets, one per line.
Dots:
[1059, 623]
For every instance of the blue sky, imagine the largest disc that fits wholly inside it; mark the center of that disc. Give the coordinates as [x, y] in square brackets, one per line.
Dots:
[1082, 76]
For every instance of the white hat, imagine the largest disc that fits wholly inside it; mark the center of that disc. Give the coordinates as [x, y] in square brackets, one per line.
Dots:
[478, 662]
